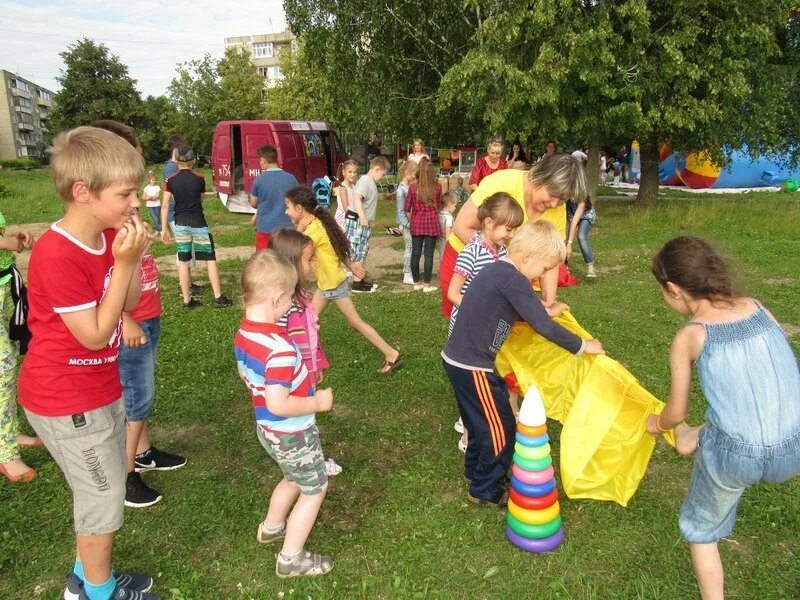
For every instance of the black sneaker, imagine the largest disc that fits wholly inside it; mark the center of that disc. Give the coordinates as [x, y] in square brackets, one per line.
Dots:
[362, 287]
[130, 581]
[499, 501]
[138, 494]
[371, 284]
[195, 289]
[156, 460]
[192, 303]
[222, 301]
[121, 593]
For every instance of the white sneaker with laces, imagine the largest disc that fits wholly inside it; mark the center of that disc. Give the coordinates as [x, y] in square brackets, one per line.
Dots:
[408, 279]
[418, 287]
[459, 426]
[429, 288]
[590, 272]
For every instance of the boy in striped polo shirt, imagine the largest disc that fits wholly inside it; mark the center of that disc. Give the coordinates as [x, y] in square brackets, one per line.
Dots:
[285, 403]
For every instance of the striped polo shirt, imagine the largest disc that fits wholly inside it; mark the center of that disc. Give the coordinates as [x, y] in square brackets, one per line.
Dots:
[265, 356]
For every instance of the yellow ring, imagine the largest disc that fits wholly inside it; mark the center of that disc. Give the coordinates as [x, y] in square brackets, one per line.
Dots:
[534, 517]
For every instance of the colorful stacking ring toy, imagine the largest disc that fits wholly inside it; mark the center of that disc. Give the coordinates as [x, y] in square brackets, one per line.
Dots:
[534, 517]
[529, 489]
[533, 502]
[533, 531]
[533, 544]
[532, 478]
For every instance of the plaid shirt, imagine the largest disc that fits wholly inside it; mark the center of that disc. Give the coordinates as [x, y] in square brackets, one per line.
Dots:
[424, 218]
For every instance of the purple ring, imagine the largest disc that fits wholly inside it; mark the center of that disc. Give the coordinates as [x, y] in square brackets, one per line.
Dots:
[533, 545]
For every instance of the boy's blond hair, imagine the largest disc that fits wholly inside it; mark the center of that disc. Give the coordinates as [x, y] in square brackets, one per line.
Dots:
[379, 161]
[264, 271]
[541, 239]
[94, 156]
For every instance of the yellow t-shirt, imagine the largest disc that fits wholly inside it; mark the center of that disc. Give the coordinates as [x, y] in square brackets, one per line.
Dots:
[511, 181]
[328, 270]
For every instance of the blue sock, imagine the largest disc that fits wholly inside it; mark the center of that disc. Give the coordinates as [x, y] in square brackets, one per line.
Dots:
[102, 591]
[78, 569]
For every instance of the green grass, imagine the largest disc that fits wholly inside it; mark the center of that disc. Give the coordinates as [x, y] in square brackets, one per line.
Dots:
[396, 519]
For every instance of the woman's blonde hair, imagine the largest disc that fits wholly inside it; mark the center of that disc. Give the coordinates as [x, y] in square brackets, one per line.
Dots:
[561, 175]
[96, 157]
[540, 238]
[265, 271]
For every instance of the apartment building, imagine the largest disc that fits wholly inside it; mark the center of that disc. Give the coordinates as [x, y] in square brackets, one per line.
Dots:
[265, 52]
[24, 108]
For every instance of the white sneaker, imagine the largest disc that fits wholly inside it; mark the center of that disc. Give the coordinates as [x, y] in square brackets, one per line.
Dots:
[418, 287]
[462, 446]
[459, 426]
[332, 468]
[429, 288]
[408, 279]
[590, 272]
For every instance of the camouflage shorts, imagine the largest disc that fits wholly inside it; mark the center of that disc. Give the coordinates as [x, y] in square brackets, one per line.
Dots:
[299, 455]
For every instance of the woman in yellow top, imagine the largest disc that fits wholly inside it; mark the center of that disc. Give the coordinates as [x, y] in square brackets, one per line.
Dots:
[540, 191]
[332, 249]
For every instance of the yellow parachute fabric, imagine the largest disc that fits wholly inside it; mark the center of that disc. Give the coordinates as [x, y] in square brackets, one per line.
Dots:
[605, 446]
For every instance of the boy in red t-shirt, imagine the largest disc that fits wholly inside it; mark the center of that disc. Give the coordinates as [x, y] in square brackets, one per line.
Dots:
[82, 274]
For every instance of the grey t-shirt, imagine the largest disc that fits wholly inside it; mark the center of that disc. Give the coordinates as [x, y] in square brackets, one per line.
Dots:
[368, 190]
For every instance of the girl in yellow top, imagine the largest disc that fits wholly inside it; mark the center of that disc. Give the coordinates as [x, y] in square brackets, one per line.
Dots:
[540, 191]
[332, 249]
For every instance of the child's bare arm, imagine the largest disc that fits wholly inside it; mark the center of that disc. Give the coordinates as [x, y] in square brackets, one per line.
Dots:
[454, 291]
[685, 349]
[359, 206]
[281, 403]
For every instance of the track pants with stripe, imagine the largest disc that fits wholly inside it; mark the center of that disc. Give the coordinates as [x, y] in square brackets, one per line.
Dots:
[483, 403]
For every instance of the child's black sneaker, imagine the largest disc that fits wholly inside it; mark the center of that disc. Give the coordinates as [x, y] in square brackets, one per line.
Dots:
[499, 501]
[138, 494]
[195, 289]
[192, 303]
[131, 581]
[154, 459]
[122, 593]
[362, 287]
[221, 301]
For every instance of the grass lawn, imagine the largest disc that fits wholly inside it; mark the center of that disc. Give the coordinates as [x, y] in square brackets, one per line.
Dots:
[397, 520]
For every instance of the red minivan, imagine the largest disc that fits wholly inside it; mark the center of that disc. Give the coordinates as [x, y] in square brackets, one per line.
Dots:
[306, 149]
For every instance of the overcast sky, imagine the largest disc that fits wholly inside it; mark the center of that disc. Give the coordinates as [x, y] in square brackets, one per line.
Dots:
[149, 36]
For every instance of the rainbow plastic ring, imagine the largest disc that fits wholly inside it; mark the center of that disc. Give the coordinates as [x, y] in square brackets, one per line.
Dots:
[534, 517]
[532, 442]
[533, 531]
[533, 465]
[535, 545]
[529, 478]
[536, 453]
[532, 431]
[527, 489]
[533, 502]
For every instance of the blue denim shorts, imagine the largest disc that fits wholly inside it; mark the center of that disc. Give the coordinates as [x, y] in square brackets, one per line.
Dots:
[137, 372]
[337, 293]
[723, 469]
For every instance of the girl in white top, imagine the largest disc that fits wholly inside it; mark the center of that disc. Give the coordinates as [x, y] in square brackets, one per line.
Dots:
[152, 200]
[344, 193]
[419, 151]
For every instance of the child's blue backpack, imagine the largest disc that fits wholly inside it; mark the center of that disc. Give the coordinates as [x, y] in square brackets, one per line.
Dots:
[323, 191]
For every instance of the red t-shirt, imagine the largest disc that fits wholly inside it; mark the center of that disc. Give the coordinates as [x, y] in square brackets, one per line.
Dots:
[149, 306]
[59, 376]
[482, 169]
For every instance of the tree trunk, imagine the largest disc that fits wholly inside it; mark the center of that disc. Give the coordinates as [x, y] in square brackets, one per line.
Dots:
[593, 166]
[648, 181]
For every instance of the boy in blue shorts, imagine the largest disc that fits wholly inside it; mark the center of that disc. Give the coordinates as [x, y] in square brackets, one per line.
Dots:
[285, 403]
[496, 298]
[191, 230]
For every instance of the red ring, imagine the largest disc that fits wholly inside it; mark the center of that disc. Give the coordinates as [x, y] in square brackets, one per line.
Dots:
[533, 502]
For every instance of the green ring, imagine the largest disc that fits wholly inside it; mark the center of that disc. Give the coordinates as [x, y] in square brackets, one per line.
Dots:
[533, 465]
[532, 453]
[533, 531]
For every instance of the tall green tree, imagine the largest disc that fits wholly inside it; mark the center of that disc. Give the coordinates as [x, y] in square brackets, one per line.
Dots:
[240, 87]
[303, 93]
[94, 84]
[156, 124]
[194, 92]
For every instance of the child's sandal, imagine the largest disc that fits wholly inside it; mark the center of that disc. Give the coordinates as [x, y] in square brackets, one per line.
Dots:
[305, 565]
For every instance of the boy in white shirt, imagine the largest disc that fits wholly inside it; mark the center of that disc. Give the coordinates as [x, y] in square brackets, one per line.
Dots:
[152, 200]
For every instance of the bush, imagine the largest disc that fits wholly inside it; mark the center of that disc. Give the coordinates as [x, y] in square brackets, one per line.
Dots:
[20, 164]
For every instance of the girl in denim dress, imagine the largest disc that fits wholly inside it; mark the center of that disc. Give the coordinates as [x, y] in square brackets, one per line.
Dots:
[750, 378]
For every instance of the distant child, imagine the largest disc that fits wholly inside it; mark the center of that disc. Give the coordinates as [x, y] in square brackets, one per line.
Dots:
[360, 215]
[497, 297]
[408, 173]
[301, 322]
[11, 440]
[285, 402]
[458, 190]
[422, 207]
[345, 191]
[446, 220]
[750, 379]
[83, 273]
[499, 216]
[192, 234]
[152, 201]
[332, 250]
[581, 218]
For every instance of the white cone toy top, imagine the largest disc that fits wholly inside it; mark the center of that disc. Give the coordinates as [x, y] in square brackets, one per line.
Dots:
[532, 411]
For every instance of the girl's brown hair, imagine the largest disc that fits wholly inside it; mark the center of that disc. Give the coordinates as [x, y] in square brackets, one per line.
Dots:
[426, 182]
[694, 265]
[290, 244]
[305, 198]
[501, 208]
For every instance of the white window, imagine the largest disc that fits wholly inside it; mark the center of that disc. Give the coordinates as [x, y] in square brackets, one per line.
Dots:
[263, 50]
[263, 71]
[20, 85]
[44, 94]
[275, 73]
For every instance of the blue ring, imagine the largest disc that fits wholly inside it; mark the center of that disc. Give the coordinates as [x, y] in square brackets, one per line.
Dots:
[532, 442]
[532, 489]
